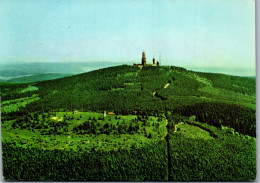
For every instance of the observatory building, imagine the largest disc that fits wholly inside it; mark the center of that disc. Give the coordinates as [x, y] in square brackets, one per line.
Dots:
[143, 63]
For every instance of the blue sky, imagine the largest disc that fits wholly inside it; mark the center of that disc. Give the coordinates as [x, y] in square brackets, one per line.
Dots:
[188, 33]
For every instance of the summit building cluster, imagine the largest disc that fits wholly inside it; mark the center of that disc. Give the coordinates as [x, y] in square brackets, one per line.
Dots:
[144, 62]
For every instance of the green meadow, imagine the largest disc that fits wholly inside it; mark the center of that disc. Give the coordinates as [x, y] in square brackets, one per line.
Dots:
[67, 131]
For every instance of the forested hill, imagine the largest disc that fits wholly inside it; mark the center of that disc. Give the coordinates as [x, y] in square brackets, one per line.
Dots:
[214, 98]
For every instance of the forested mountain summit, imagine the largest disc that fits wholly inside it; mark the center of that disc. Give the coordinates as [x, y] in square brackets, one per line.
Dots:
[162, 123]
[125, 89]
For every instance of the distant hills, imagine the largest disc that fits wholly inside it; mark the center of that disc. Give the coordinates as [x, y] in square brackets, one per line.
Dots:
[32, 78]
[31, 72]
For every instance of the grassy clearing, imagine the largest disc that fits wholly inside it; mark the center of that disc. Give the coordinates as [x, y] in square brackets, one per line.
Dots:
[10, 106]
[190, 131]
[149, 131]
[29, 88]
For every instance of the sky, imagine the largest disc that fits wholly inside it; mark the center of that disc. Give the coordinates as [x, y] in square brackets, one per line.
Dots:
[187, 33]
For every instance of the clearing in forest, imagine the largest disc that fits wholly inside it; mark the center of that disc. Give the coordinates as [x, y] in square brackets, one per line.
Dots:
[194, 132]
[84, 131]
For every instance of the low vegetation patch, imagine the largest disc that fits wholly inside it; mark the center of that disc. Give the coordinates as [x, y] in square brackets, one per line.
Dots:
[10, 106]
[30, 88]
[190, 131]
[84, 131]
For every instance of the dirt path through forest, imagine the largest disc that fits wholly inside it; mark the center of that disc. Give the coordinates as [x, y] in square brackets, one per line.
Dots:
[138, 71]
[165, 86]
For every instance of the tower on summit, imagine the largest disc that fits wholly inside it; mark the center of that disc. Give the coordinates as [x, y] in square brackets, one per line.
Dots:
[144, 62]
[143, 59]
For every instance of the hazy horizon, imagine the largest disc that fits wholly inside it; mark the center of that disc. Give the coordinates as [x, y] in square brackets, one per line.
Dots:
[81, 67]
[190, 34]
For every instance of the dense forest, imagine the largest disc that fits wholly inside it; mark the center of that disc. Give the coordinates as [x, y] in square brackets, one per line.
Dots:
[167, 123]
[211, 155]
[149, 163]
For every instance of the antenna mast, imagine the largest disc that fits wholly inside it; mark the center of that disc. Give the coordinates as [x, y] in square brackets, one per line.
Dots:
[160, 62]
